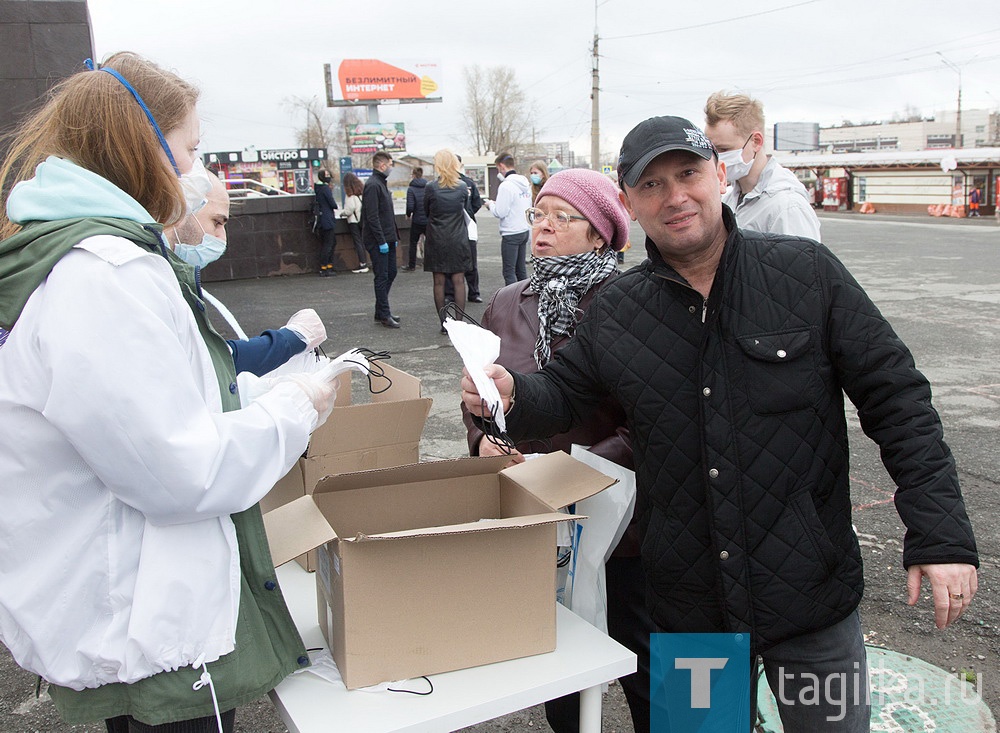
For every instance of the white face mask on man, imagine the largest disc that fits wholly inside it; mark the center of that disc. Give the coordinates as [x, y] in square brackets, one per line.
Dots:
[196, 185]
[736, 167]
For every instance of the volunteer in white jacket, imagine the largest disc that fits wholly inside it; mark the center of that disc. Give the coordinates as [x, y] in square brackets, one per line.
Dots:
[132, 553]
[513, 199]
[764, 195]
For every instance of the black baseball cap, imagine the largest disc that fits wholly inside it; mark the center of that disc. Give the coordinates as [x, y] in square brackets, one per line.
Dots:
[655, 136]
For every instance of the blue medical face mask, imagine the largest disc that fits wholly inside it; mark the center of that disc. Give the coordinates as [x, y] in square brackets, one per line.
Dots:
[205, 253]
[200, 255]
[536, 179]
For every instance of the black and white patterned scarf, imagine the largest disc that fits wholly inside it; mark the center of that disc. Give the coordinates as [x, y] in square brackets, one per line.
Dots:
[560, 283]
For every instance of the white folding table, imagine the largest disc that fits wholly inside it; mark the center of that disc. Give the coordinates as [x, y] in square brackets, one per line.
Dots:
[583, 661]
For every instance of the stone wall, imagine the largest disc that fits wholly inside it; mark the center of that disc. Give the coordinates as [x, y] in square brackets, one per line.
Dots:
[41, 42]
[270, 236]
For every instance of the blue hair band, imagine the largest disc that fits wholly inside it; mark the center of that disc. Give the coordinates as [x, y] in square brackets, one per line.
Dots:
[149, 115]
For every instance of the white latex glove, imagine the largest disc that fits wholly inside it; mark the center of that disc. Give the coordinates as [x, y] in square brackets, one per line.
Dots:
[308, 326]
[321, 392]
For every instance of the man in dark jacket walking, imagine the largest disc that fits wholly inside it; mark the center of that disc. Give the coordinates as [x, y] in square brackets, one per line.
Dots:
[326, 208]
[378, 234]
[730, 353]
[416, 214]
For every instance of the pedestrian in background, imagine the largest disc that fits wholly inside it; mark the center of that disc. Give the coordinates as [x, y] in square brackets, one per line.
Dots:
[513, 199]
[538, 174]
[415, 213]
[472, 207]
[577, 226]
[326, 207]
[446, 243]
[765, 196]
[353, 188]
[378, 232]
[974, 198]
[149, 458]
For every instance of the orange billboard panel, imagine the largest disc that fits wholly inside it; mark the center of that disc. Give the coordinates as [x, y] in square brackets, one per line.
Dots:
[364, 79]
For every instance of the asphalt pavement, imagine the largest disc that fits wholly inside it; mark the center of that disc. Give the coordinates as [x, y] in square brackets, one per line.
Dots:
[938, 282]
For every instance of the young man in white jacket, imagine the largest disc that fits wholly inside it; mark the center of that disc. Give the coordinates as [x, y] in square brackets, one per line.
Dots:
[513, 199]
[765, 196]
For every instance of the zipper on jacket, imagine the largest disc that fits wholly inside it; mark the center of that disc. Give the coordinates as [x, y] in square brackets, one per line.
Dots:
[704, 309]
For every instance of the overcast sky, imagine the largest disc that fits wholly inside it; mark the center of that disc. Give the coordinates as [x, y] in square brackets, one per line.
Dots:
[807, 60]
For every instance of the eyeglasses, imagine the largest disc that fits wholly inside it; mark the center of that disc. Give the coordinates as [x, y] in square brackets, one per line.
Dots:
[559, 220]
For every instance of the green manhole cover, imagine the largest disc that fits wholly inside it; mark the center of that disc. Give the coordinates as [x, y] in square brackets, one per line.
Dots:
[908, 696]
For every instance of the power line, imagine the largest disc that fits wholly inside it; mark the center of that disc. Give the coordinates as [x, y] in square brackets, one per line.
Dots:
[711, 22]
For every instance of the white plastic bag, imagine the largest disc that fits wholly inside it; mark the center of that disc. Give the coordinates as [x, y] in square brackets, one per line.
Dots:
[609, 513]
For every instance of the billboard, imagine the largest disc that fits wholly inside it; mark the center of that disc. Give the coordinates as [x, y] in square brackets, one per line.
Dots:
[360, 80]
[372, 137]
[796, 136]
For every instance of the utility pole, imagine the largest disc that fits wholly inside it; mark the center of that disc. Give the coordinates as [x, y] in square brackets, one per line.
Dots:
[958, 111]
[595, 107]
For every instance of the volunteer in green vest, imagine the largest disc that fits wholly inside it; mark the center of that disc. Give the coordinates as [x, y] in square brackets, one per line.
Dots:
[135, 576]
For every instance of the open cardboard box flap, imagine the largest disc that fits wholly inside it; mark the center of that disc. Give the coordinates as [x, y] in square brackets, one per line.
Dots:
[555, 478]
[558, 479]
[392, 416]
[483, 525]
[294, 528]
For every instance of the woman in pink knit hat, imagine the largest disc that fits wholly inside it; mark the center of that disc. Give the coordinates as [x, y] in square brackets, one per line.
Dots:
[578, 226]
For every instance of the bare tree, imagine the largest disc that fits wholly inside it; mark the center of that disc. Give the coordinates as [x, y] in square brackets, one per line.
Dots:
[319, 130]
[496, 110]
[323, 128]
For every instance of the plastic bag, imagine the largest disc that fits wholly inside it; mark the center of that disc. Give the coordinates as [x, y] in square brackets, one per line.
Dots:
[609, 512]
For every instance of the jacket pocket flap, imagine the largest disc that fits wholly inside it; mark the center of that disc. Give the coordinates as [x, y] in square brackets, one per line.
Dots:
[776, 347]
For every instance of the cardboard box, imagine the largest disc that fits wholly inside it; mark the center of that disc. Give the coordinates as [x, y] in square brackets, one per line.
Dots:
[382, 433]
[437, 566]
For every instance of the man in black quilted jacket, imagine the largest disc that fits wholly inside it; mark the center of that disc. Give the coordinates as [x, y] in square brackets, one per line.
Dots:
[730, 352]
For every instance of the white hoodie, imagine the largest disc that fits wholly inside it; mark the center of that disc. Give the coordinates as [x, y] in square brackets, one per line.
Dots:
[513, 199]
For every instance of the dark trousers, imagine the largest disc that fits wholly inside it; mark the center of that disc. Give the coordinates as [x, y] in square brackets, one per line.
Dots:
[415, 231]
[359, 248]
[512, 252]
[128, 724]
[630, 625]
[471, 276]
[328, 239]
[831, 659]
[384, 267]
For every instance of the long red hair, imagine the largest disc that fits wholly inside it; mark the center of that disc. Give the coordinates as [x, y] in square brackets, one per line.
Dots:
[92, 120]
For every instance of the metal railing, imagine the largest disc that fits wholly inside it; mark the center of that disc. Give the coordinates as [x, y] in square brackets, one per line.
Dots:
[249, 188]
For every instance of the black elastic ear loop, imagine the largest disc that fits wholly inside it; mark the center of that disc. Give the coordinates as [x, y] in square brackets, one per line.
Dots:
[416, 692]
[492, 432]
[457, 314]
[374, 368]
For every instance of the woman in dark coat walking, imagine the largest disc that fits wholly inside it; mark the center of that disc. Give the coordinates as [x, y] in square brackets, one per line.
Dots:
[446, 244]
[326, 207]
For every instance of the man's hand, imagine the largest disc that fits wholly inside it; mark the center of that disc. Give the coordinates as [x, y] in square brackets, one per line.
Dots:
[308, 326]
[470, 395]
[953, 586]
